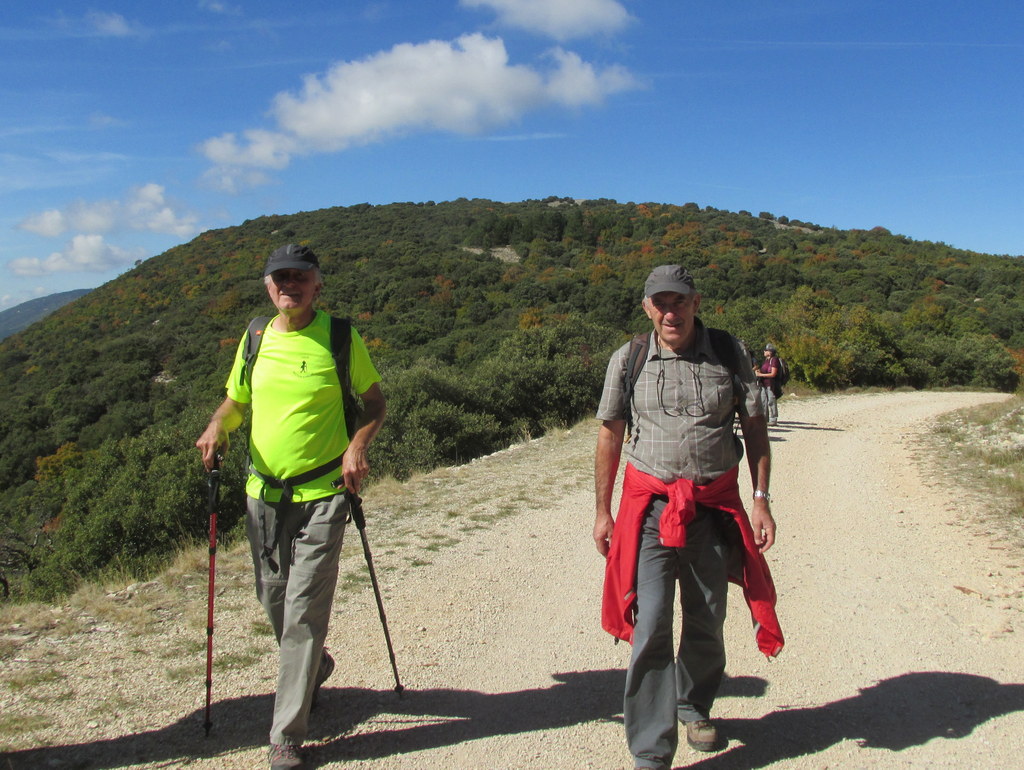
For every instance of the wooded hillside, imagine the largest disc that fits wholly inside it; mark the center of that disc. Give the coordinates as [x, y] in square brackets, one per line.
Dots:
[489, 322]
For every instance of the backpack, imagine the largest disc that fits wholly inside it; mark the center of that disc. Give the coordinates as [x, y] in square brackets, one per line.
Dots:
[721, 343]
[341, 344]
[781, 377]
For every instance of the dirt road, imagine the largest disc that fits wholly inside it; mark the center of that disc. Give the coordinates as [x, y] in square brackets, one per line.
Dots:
[902, 607]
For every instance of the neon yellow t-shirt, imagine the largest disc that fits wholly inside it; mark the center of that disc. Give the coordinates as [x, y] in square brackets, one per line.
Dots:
[297, 419]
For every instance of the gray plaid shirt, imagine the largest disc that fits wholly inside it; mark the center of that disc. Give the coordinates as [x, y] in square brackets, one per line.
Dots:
[682, 409]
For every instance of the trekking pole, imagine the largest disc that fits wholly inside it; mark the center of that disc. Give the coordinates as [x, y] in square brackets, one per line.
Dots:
[213, 485]
[356, 506]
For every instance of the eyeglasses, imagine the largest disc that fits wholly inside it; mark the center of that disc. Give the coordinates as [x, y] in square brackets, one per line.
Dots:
[695, 408]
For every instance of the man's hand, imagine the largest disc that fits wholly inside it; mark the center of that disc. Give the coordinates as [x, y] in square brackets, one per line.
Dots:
[354, 468]
[763, 524]
[215, 440]
[603, 526]
[355, 465]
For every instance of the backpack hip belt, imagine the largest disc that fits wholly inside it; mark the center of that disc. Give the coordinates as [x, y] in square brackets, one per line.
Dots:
[287, 487]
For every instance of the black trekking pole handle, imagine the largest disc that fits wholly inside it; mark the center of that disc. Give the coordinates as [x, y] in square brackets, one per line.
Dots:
[356, 510]
[213, 486]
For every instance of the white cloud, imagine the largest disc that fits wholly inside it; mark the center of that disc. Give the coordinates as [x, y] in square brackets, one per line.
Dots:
[233, 180]
[109, 24]
[263, 149]
[559, 19]
[145, 208]
[48, 224]
[148, 209]
[463, 87]
[577, 83]
[467, 86]
[216, 6]
[97, 217]
[99, 120]
[84, 254]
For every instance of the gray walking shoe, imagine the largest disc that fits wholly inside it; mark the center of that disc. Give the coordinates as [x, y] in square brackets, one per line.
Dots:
[702, 735]
[285, 756]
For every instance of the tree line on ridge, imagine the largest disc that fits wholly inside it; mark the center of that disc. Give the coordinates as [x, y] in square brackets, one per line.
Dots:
[101, 402]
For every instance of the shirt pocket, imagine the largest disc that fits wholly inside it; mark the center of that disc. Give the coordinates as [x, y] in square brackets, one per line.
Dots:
[718, 391]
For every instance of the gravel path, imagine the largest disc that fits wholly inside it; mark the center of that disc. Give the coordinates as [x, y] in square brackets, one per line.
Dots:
[901, 600]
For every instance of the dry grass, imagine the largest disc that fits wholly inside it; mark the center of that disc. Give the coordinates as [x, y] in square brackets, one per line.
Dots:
[985, 445]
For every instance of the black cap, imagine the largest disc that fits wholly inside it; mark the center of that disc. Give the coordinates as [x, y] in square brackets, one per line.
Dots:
[669, 278]
[293, 257]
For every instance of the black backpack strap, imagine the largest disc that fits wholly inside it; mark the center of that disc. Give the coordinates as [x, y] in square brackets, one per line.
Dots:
[341, 348]
[635, 360]
[253, 340]
[724, 347]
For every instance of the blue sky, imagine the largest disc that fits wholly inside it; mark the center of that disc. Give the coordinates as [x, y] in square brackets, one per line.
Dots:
[130, 127]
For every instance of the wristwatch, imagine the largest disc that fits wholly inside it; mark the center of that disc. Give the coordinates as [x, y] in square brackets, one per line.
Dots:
[758, 493]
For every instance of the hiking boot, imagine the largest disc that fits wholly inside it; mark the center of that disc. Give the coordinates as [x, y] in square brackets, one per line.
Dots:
[322, 675]
[285, 756]
[702, 735]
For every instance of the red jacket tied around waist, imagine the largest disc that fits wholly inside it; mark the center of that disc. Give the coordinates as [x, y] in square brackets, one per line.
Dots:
[618, 611]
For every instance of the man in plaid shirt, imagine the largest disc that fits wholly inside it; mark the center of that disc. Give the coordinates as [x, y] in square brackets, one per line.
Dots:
[681, 518]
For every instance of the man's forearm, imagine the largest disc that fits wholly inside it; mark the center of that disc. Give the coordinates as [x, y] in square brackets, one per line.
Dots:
[369, 425]
[371, 418]
[606, 463]
[606, 467]
[759, 453]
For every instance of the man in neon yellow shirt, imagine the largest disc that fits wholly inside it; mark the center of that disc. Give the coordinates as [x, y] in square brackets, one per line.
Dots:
[298, 447]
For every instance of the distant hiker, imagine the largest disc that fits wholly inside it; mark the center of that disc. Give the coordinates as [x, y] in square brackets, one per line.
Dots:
[299, 444]
[680, 517]
[768, 378]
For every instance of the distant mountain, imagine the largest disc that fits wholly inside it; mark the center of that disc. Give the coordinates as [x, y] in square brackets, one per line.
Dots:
[21, 316]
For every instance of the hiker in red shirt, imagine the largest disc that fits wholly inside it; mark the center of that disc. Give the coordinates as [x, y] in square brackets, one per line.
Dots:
[681, 519]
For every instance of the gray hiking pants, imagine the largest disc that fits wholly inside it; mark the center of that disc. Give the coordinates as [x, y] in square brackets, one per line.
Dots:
[661, 685]
[295, 551]
[769, 405]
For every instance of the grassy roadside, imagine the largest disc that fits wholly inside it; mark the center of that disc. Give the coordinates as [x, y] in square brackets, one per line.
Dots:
[984, 448]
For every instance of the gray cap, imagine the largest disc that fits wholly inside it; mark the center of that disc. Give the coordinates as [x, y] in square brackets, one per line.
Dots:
[293, 257]
[770, 347]
[669, 278]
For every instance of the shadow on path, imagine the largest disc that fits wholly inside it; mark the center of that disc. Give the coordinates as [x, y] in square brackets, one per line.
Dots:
[421, 719]
[907, 710]
[895, 714]
[778, 432]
